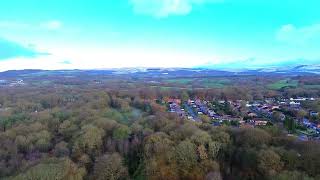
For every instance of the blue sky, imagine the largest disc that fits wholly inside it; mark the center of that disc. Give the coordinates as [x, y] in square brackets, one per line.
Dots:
[60, 34]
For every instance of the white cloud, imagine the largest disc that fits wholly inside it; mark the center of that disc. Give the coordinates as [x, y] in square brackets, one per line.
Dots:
[52, 25]
[299, 35]
[99, 57]
[164, 8]
[41, 62]
[17, 25]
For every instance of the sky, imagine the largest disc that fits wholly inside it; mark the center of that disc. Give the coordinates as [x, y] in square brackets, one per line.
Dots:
[98, 34]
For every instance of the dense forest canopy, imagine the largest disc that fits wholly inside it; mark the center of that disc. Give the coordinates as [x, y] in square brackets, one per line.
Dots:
[120, 128]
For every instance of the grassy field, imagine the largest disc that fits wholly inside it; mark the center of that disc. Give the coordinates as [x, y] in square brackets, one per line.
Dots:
[165, 88]
[200, 82]
[283, 83]
[215, 83]
[180, 80]
[312, 86]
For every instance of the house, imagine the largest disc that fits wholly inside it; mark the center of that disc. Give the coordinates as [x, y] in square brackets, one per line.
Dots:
[298, 99]
[275, 107]
[211, 113]
[203, 109]
[269, 100]
[306, 122]
[198, 102]
[252, 115]
[216, 116]
[314, 113]
[260, 123]
[294, 104]
[242, 122]
[176, 101]
[256, 104]
[313, 126]
[283, 103]
[173, 107]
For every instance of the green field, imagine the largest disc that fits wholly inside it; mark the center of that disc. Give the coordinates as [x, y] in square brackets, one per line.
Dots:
[200, 82]
[180, 80]
[166, 88]
[215, 83]
[283, 83]
[312, 86]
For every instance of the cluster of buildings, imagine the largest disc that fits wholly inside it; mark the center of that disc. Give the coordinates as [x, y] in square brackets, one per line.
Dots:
[269, 106]
[200, 107]
[265, 110]
[11, 83]
[257, 113]
[175, 107]
[194, 109]
[294, 102]
[312, 130]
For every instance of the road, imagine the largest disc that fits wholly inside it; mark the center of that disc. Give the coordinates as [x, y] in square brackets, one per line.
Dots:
[190, 112]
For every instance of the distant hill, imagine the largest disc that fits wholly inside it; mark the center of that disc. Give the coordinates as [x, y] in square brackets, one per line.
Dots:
[168, 72]
[253, 65]
[15, 73]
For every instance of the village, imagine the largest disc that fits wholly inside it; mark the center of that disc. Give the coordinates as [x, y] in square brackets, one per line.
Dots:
[253, 114]
[11, 83]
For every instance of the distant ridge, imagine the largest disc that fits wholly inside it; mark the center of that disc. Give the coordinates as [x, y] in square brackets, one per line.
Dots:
[169, 72]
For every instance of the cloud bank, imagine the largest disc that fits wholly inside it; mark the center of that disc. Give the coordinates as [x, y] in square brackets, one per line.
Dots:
[299, 35]
[165, 8]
